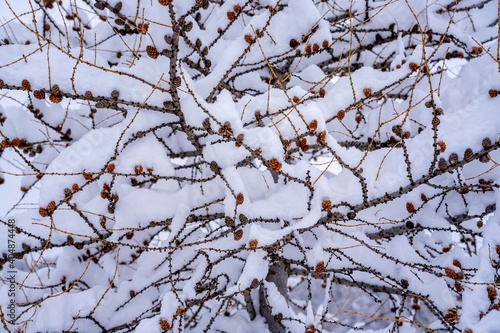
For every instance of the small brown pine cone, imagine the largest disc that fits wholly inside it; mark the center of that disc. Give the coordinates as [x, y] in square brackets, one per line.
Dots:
[55, 98]
[51, 207]
[238, 234]
[152, 52]
[248, 38]
[442, 164]
[453, 159]
[367, 92]
[326, 205]
[231, 16]
[142, 28]
[413, 66]
[38, 94]
[26, 85]
[229, 222]
[275, 165]
[55, 89]
[320, 267]
[449, 272]
[252, 244]
[43, 212]
[164, 325]
[457, 263]
[468, 155]
[492, 292]
[313, 126]
[441, 146]
[240, 199]
[486, 143]
[138, 169]
[341, 114]
[396, 129]
[435, 122]
[410, 208]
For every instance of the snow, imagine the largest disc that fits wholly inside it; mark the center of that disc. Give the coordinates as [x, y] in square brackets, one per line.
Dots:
[265, 152]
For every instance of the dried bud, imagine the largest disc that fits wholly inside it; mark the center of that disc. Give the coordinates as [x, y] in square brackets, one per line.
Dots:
[367, 92]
